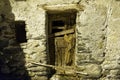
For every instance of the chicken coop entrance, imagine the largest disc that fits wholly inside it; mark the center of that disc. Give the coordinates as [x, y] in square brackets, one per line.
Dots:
[61, 38]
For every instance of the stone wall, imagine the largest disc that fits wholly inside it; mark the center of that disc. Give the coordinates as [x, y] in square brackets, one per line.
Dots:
[12, 58]
[97, 38]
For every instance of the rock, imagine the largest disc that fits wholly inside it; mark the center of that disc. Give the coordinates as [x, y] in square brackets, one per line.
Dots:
[39, 78]
[83, 57]
[5, 69]
[27, 51]
[23, 45]
[3, 43]
[19, 64]
[93, 70]
[12, 50]
[32, 43]
[43, 73]
[29, 36]
[39, 57]
[12, 42]
[39, 49]
[20, 72]
[37, 69]
[1, 18]
[55, 77]
[35, 36]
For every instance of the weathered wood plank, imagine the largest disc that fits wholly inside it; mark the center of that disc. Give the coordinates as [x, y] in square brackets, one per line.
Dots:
[65, 69]
[69, 31]
[64, 32]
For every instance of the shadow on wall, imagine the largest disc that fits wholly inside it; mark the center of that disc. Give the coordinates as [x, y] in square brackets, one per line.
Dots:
[12, 58]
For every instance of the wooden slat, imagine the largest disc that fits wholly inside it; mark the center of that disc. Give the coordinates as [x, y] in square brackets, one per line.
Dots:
[64, 32]
[66, 69]
[69, 31]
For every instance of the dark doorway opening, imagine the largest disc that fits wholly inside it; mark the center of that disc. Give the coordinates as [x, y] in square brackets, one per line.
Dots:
[20, 31]
[58, 23]
[61, 39]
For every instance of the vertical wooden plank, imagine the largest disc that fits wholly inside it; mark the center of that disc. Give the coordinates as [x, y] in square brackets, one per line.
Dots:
[65, 50]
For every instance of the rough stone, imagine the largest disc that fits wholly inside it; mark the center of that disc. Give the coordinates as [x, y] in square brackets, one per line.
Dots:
[37, 69]
[40, 78]
[97, 37]
[38, 57]
[12, 42]
[3, 43]
[12, 50]
[93, 70]
[5, 69]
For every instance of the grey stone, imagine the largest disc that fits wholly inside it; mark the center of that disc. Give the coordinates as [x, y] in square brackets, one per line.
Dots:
[92, 70]
[37, 69]
[5, 69]
[20, 72]
[3, 43]
[12, 50]
[39, 78]
[97, 31]
[12, 42]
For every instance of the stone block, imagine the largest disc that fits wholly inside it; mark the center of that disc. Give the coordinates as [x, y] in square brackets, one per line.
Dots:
[115, 9]
[3, 43]
[80, 58]
[12, 50]
[12, 42]
[5, 69]
[92, 70]
[39, 57]
[37, 69]
[39, 78]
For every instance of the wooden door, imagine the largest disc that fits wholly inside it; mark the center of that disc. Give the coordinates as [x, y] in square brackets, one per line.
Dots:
[64, 50]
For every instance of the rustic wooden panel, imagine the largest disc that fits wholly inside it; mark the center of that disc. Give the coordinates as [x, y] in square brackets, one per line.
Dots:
[64, 50]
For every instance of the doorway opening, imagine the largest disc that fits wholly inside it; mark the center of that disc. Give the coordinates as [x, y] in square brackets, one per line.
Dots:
[61, 39]
[20, 31]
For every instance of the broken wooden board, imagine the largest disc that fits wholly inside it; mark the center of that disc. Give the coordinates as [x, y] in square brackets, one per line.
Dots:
[69, 31]
[68, 70]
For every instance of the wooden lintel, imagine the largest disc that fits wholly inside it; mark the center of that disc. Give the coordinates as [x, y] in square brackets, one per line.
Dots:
[62, 7]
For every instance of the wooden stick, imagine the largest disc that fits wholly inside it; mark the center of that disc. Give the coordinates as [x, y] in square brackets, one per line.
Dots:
[69, 31]
[59, 68]
[64, 32]
[45, 65]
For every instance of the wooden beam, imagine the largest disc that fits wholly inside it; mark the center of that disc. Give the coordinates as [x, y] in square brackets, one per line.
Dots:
[62, 7]
[65, 69]
[69, 31]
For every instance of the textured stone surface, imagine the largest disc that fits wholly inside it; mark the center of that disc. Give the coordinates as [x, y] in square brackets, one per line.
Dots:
[93, 70]
[97, 38]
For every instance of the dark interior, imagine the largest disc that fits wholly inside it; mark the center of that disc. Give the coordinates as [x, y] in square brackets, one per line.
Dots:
[20, 31]
[58, 23]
